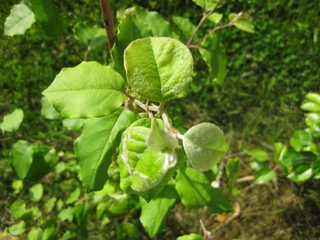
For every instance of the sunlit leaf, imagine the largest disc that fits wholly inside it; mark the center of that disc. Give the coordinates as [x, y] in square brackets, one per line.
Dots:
[158, 69]
[87, 90]
[300, 140]
[301, 173]
[243, 22]
[20, 19]
[12, 121]
[263, 176]
[22, 157]
[36, 192]
[207, 5]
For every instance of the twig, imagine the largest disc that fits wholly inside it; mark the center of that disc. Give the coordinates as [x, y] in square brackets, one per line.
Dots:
[216, 28]
[142, 105]
[204, 17]
[108, 21]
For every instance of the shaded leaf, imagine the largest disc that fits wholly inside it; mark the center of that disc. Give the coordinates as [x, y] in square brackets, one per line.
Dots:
[47, 110]
[127, 231]
[185, 25]
[96, 145]
[22, 157]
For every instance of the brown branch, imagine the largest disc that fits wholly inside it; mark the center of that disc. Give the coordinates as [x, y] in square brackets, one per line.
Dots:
[108, 21]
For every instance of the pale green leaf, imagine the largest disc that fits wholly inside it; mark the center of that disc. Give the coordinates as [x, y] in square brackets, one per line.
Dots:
[18, 228]
[301, 173]
[158, 69]
[22, 157]
[265, 175]
[215, 17]
[35, 233]
[258, 154]
[191, 236]
[204, 145]
[87, 90]
[73, 124]
[66, 214]
[96, 145]
[20, 19]
[18, 208]
[35, 192]
[12, 121]
[300, 140]
[90, 36]
[47, 110]
[142, 170]
[243, 22]
[160, 139]
[215, 57]
[153, 214]
[47, 15]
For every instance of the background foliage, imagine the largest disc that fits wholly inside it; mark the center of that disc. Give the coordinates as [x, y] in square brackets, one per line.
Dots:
[269, 74]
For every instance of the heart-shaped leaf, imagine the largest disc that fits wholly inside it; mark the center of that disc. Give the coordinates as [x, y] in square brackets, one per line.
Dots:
[158, 69]
[204, 145]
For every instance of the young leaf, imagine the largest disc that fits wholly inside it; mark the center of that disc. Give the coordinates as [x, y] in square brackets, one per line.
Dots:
[243, 23]
[87, 90]
[12, 121]
[22, 157]
[153, 214]
[215, 17]
[165, 70]
[47, 15]
[195, 191]
[159, 139]
[204, 145]
[215, 57]
[96, 145]
[300, 140]
[20, 19]
[311, 103]
[142, 170]
[90, 36]
[191, 236]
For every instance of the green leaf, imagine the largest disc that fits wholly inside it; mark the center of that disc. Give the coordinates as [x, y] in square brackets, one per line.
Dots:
[279, 151]
[301, 173]
[96, 145]
[35, 233]
[18, 208]
[73, 124]
[47, 15]
[18, 228]
[215, 57]
[66, 214]
[44, 159]
[87, 90]
[90, 36]
[215, 17]
[81, 212]
[314, 97]
[232, 169]
[50, 233]
[160, 139]
[74, 196]
[35, 192]
[191, 236]
[17, 185]
[263, 176]
[142, 170]
[157, 24]
[300, 140]
[153, 214]
[12, 121]
[158, 69]
[119, 205]
[50, 203]
[129, 30]
[204, 145]
[21, 158]
[258, 154]
[207, 5]
[185, 25]
[195, 191]
[127, 231]
[47, 110]
[20, 19]
[243, 22]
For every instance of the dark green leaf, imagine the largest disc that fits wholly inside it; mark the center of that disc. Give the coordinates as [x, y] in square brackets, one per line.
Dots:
[81, 212]
[232, 169]
[47, 15]
[127, 231]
